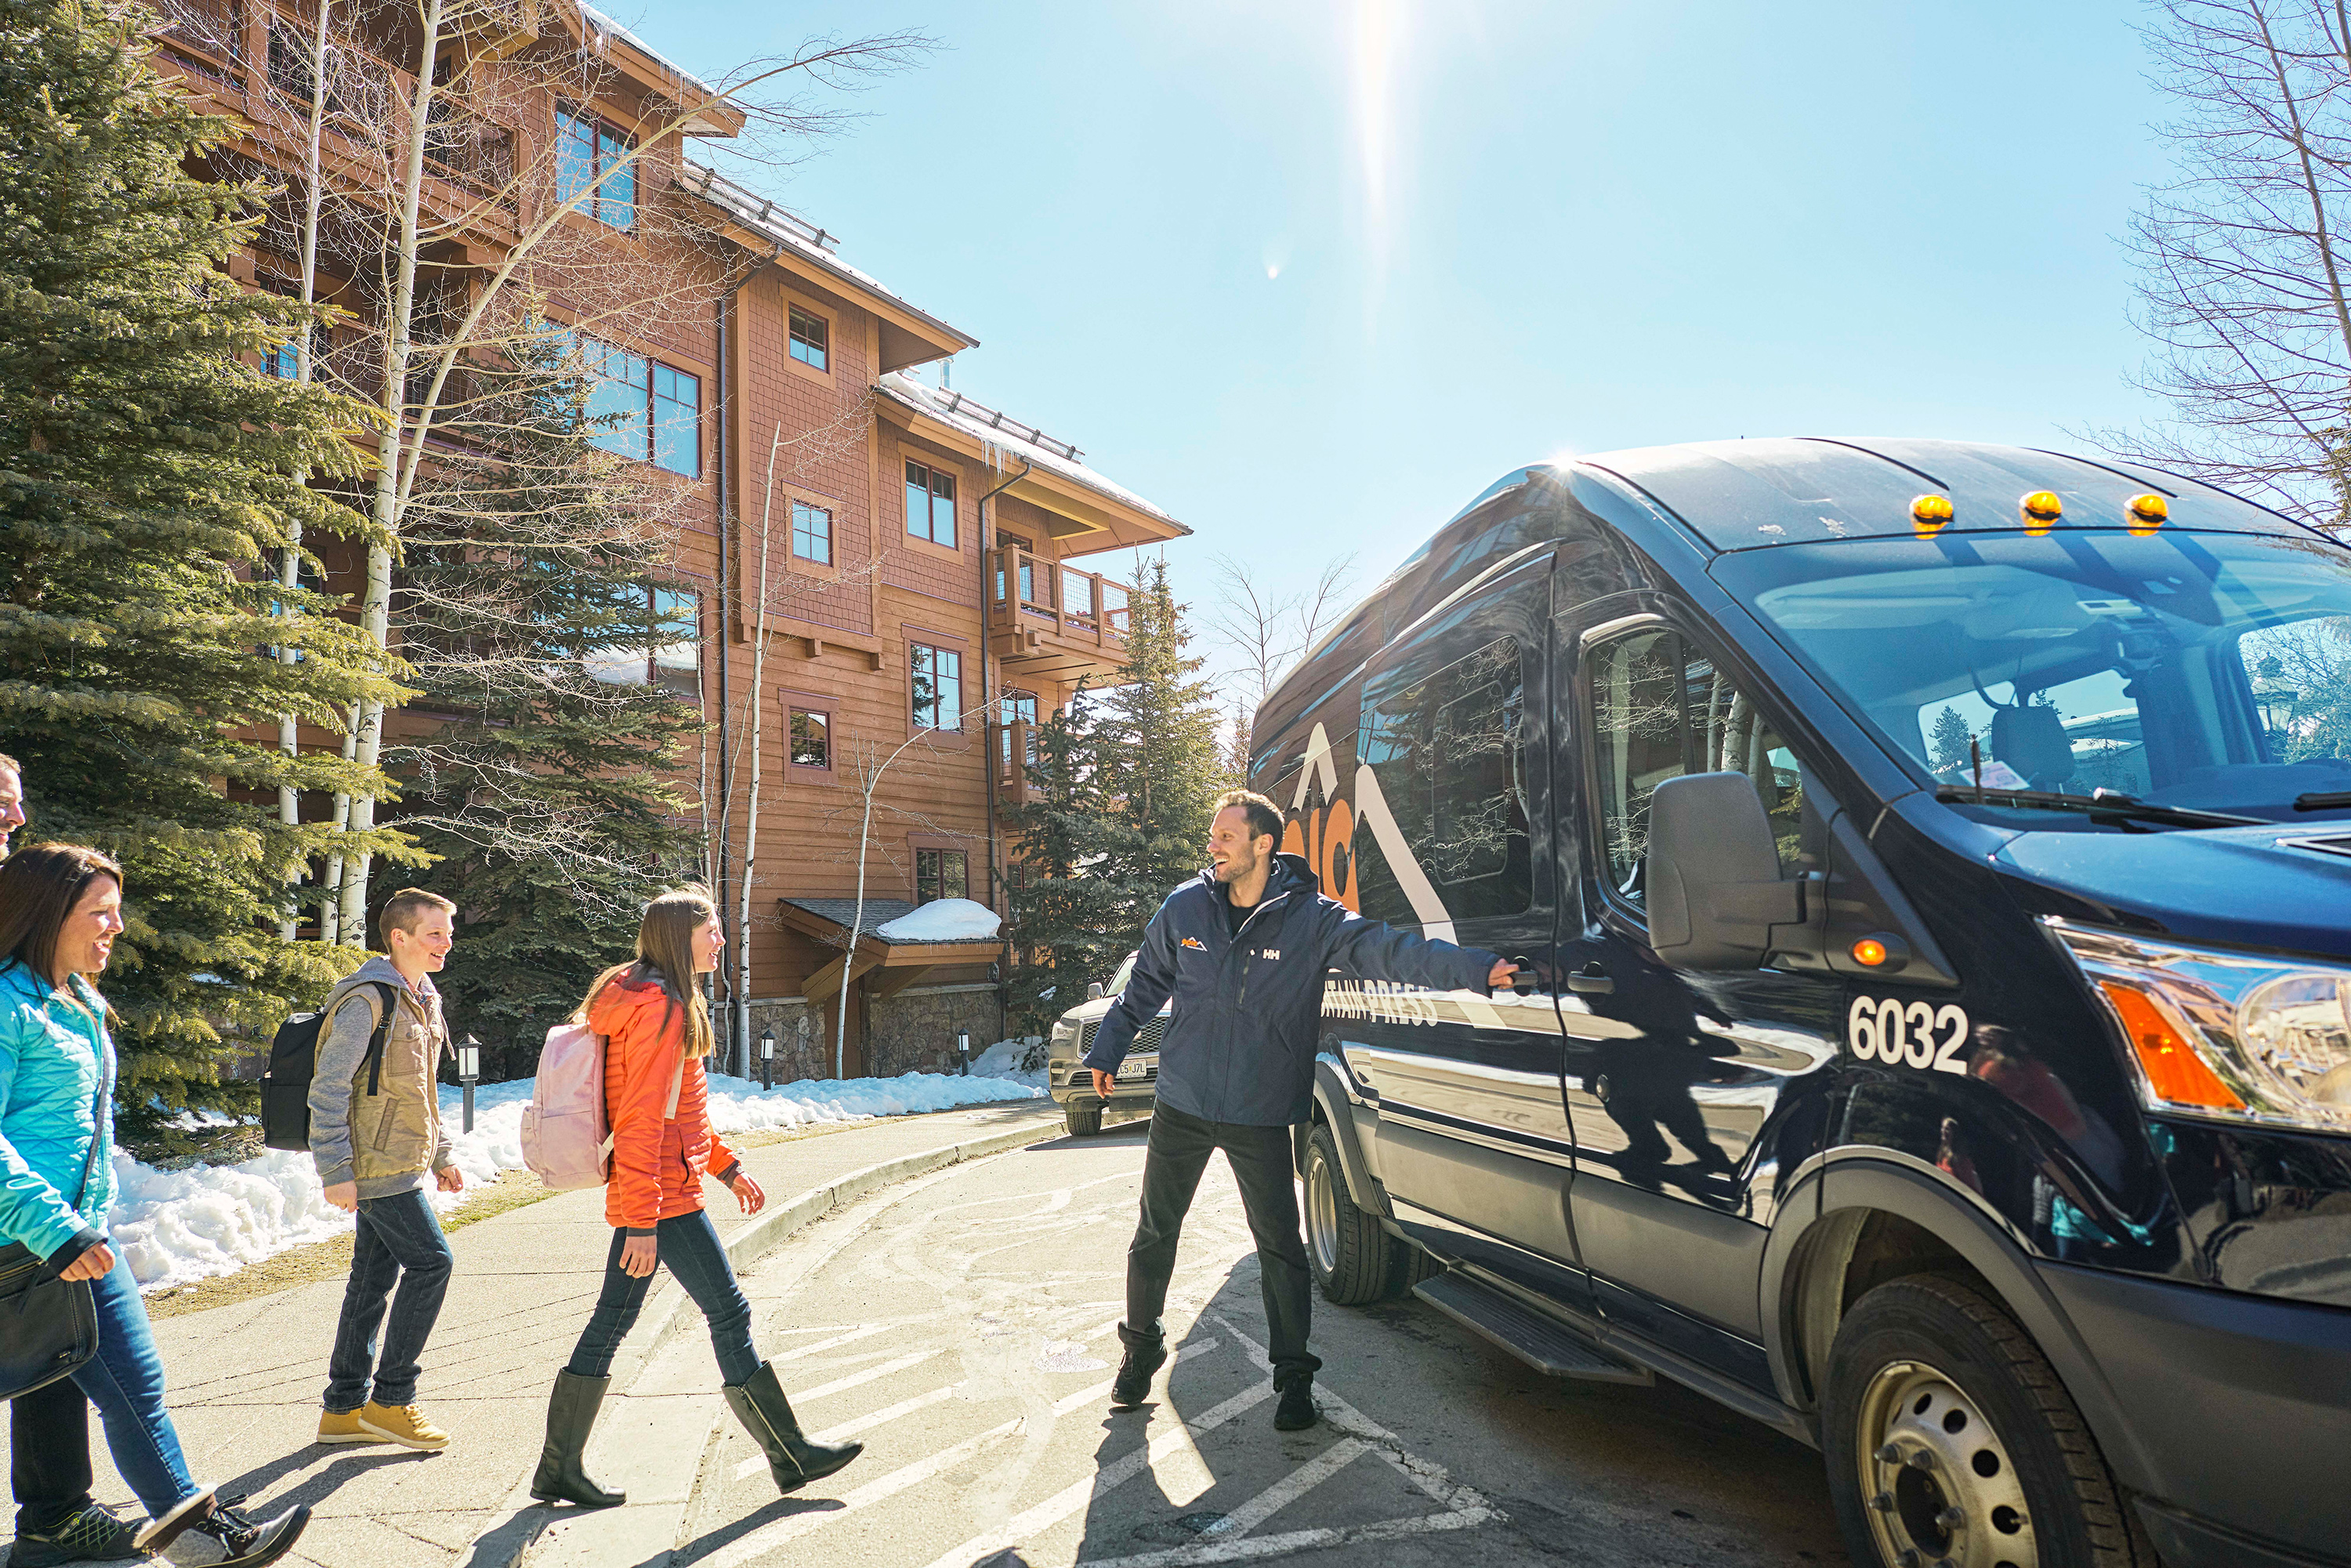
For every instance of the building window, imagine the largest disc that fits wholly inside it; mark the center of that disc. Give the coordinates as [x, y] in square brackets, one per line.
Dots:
[940, 873]
[592, 157]
[811, 338]
[283, 361]
[643, 409]
[1016, 708]
[677, 421]
[930, 504]
[812, 533]
[939, 687]
[672, 661]
[812, 738]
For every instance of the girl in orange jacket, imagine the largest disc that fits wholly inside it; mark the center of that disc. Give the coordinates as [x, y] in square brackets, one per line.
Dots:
[657, 1030]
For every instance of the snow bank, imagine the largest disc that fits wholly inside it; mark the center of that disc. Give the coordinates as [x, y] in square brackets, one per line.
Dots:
[179, 1226]
[1009, 1059]
[943, 920]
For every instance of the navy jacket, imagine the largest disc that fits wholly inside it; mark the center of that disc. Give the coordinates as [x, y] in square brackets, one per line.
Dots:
[1241, 1044]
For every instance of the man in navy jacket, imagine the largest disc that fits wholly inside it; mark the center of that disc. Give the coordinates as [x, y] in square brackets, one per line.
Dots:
[1244, 951]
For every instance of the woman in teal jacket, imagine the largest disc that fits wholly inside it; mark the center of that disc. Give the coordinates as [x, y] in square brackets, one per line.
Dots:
[61, 910]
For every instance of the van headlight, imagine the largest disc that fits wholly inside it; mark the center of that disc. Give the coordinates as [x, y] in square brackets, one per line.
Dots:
[2236, 1035]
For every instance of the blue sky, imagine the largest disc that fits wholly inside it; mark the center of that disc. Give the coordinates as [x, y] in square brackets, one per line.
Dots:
[1312, 274]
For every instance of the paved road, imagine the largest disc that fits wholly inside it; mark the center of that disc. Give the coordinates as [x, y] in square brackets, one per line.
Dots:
[961, 1325]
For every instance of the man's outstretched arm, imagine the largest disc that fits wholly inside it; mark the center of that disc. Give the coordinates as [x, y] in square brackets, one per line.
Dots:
[1374, 950]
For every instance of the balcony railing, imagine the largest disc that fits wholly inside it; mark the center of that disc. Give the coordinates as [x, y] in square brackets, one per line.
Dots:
[1013, 746]
[1031, 592]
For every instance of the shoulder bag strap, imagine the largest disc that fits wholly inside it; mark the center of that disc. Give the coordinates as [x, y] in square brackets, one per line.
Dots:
[382, 1032]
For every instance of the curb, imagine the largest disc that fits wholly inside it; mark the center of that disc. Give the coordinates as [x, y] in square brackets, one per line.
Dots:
[508, 1540]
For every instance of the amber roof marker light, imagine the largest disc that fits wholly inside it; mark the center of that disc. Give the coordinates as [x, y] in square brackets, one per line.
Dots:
[1930, 515]
[2147, 513]
[2041, 509]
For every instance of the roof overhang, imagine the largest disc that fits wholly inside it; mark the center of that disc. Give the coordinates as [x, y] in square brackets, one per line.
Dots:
[1085, 519]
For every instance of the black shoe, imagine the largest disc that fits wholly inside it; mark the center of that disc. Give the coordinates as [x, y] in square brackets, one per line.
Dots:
[766, 1415]
[571, 1415]
[87, 1535]
[1143, 1361]
[1296, 1412]
[227, 1538]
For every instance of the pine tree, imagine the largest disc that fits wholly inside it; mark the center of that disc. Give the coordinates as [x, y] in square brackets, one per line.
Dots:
[1951, 739]
[1069, 924]
[533, 568]
[147, 474]
[1161, 763]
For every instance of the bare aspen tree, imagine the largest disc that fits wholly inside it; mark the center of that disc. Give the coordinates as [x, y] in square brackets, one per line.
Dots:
[1264, 633]
[2242, 282]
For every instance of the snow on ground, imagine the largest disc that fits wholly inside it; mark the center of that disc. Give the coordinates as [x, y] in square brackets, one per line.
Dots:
[180, 1225]
[943, 920]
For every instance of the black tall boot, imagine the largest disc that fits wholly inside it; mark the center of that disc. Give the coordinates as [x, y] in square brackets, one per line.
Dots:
[759, 1403]
[571, 1415]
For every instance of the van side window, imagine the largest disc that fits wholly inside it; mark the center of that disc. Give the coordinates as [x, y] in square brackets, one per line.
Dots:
[1448, 749]
[1661, 709]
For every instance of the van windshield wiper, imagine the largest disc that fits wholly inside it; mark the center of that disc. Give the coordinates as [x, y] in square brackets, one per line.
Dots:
[2322, 800]
[2100, 805]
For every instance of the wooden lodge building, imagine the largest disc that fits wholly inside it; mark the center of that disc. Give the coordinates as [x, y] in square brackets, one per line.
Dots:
[918, 566]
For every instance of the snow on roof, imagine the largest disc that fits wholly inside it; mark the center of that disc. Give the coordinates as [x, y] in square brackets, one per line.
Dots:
[604, 27]
[797, 234]
[882, 914]
[943, 920]
[1005, 440]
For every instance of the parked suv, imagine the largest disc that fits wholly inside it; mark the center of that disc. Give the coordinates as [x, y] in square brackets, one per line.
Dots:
[1929, 867]
[1072, 1084]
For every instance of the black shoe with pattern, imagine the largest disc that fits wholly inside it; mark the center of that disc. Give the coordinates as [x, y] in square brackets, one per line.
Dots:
[225, 1538]
[89, 1535]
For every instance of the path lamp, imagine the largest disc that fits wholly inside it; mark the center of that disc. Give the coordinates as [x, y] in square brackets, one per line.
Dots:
[767, 1059]
[469, 1072]
[963, 1049]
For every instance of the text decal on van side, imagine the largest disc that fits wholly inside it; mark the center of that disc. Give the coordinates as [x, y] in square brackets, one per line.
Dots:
[1908, 1034]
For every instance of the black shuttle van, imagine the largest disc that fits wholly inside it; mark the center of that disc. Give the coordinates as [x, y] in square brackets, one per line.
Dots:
[1931, 868]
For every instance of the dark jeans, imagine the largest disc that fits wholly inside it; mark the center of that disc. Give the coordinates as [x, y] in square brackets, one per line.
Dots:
[1261, 1161]
[399, 1240]
[691, 1250]
[49, 1455]
[125, 1381]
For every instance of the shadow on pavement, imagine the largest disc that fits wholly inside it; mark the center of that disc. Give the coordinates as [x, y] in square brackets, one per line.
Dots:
[319, 1487]
[718, 1540]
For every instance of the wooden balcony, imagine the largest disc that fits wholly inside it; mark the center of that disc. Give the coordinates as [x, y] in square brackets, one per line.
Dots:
[1050, 620]
[1011, 748]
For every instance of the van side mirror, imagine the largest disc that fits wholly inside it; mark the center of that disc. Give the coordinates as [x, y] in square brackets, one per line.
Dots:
[1096, 990]
[1714, 889]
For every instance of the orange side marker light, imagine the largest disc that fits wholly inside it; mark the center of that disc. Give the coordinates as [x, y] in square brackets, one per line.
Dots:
[2041, 509]
[2148, 513]
[1869, 952]
[2173, 1071]
[1930, 515]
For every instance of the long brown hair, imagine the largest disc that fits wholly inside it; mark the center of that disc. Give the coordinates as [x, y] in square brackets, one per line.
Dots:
[666, 954]
[39, 886]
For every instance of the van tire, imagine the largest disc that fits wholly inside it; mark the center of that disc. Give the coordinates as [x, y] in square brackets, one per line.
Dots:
[1975, 1419]
[1346, 1250]
[1083, 1121]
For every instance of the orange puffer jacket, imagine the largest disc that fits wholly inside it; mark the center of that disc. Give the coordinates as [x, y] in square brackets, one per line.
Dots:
[658, 1159]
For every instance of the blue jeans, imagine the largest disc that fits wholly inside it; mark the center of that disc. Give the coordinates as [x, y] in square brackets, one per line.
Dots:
[399, 1240]
[125, 1381]
[690, 1250]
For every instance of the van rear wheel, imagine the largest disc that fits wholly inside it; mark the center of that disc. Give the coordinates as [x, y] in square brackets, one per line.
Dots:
[1083, 1121]
[1345, 1248]
[1950, 1440]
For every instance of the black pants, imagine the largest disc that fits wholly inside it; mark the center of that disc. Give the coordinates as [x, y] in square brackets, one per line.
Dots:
[1261, 1158]
[49, 1455]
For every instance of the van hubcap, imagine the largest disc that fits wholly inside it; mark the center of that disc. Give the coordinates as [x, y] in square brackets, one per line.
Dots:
[1322, 1214]
[1938, 1482]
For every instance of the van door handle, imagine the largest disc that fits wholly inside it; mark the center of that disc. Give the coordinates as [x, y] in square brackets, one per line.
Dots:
[1592, 981]
[1524, 980]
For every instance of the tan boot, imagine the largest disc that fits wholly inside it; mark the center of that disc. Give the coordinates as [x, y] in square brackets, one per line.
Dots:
[404, 1425]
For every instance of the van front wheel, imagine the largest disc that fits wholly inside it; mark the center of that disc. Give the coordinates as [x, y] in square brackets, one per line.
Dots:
[1345, 1248]
[1949, 1440]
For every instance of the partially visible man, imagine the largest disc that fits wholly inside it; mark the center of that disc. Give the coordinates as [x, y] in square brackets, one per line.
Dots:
[57, 1520]
[1244, 950]
[380, 1176]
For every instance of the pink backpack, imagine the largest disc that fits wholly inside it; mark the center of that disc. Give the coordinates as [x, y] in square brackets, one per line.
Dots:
[566, 1136]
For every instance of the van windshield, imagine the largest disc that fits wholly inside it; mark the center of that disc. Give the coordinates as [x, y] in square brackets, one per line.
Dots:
[2192, 670]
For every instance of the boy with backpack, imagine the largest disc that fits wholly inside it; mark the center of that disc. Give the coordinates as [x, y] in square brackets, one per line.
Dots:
[375, 1132]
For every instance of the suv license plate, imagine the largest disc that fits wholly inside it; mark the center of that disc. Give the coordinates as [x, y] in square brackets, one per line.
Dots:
[1134, 1069]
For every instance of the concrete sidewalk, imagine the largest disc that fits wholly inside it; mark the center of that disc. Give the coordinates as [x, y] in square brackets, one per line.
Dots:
[245, 1378]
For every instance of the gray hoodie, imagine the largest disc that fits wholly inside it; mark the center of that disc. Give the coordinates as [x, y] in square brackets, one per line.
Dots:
[399, 1134]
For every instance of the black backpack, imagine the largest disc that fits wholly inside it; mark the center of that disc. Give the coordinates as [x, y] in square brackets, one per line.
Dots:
[294, 1059]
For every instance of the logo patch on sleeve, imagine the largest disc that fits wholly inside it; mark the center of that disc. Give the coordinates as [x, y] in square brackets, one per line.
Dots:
[1194, 943]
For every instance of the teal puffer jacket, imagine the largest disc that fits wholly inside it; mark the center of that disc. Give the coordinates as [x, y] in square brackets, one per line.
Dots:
[55, 1052]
